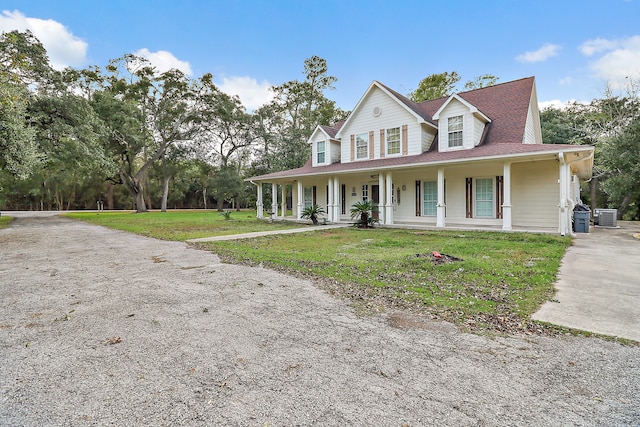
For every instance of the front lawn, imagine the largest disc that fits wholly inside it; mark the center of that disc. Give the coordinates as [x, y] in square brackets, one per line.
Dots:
[183, 225]
[497, 281]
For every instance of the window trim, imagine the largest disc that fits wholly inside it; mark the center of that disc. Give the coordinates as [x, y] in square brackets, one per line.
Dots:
[364, 138]
[323, 152]
[476, 201]
[398, 142]
[304, 197]
[455, 133]
[424, 200]
[365, 192]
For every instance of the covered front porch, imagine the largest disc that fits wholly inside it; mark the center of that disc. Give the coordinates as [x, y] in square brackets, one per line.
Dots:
[535, 193]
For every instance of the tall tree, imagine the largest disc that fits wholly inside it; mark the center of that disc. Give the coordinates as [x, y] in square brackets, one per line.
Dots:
[70, 137]
[481, 81]
[297, 108]
[148, 114]
[226, 135]
[23, 62]
[435, 86]
[620, 158]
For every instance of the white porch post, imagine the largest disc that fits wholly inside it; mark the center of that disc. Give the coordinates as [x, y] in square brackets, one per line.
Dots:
[330, 196]
[440, 206]
[274, 200]
[336, 199]
[283, 190]
[388, 216]
[564, 222]
[506, 201]
[300, 200]
[259, 205]
[382, 199]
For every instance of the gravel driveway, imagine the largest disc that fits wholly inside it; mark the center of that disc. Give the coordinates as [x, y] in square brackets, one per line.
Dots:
[101, 327]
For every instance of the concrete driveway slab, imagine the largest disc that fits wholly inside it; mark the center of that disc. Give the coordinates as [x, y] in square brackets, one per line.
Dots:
[598, 287]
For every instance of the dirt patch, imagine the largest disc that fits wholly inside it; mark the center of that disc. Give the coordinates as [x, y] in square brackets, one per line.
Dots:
[101, 327]
[438, 258]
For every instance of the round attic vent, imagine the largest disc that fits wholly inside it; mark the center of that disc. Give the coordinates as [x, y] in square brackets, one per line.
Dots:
[377, 111]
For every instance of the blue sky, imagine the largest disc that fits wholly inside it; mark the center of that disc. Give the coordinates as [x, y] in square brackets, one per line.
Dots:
[572, 47]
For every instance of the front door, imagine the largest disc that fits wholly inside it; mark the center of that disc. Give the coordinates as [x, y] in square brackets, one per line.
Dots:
[375, 196]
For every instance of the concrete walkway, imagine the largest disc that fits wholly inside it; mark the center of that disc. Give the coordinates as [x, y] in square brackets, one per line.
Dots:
[267, 233]
[598, 287]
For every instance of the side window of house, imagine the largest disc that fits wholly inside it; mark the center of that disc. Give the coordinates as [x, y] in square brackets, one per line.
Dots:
[365, 192]
[429, 198]
[484, 198]
[320, 151]
[393, 141]
[308, 197]
[362, 146]
[455, 131]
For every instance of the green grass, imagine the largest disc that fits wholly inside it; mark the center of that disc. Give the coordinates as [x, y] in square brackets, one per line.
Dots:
[182, 225]
[501, 280]
[4, 221]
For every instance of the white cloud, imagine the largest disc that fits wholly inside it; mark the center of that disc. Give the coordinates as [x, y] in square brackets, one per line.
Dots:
[163, 61]
[545, 52]
[64, 49]
[618, 60]
[554, 103]
[591, 47]
[252, 94]
[558, 104]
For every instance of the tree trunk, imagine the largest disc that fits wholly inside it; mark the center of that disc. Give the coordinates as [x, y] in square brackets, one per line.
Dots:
[204, 197]
[110, 204]
[140, 205]
[220, 205]
[165, 192]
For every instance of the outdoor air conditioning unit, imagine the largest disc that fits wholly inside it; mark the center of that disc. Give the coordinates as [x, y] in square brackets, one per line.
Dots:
[605, 217]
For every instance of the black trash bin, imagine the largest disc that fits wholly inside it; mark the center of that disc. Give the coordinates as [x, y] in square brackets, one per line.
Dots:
[581, 218]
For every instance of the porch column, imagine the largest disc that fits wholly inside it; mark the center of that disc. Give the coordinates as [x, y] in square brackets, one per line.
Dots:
[382, 199]
[274, 200]
[564, 223]
[330, 196]
[259, 205]
[300, 200]
[336, 199]
[440, 206]
[388, 216]
[283, 190]
[506, 201]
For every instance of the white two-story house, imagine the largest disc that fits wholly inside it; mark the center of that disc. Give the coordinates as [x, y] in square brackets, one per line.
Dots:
[472, 159]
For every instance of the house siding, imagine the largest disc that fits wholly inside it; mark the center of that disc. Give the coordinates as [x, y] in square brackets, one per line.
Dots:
[478, 128]
[535, 194]
[456, 108]
[314, 145]
[529, 136]
[393, 115]
[427, 136]
[334, 153]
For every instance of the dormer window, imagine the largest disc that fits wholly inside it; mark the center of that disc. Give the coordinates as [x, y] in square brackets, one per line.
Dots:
[455, 131]
[393, 141]
[320, 150]
[362, 146]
